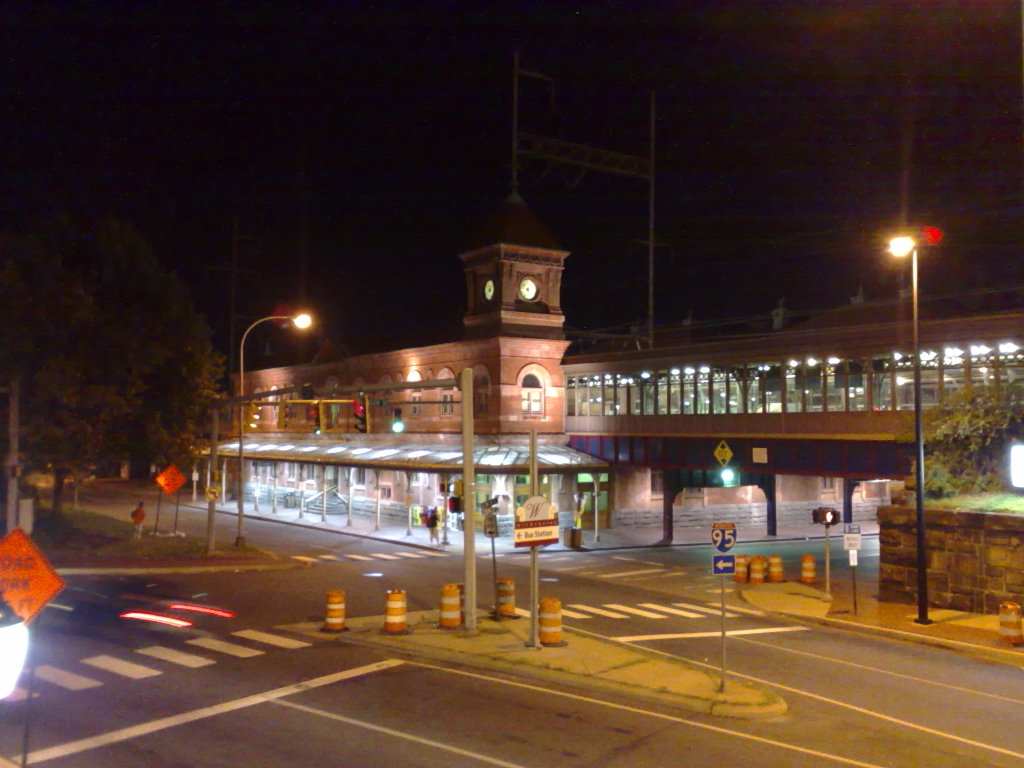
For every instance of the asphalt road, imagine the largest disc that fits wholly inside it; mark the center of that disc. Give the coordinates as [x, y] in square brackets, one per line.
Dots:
[253, 693]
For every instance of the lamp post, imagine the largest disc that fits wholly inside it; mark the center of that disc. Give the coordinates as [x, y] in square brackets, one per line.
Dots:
[900, 247]
[301, 321]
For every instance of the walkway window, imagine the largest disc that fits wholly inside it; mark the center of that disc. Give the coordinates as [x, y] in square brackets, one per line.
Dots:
[662, 386]
[675, 400]
[532, 396]
[608, 396]
[571, 408]
[793, 381]
[813, 385]
[703, 391]
[882, 382]
[835, 384]
[856, 386]
[755, 388]
[773, 387]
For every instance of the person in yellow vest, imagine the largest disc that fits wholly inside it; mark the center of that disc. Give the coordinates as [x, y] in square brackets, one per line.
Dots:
[138, 517]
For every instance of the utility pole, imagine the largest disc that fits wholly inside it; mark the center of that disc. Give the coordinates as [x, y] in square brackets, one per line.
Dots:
[13, 466]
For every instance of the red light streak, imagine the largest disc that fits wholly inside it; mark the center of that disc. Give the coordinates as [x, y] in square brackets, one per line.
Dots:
[157, 618]
[201, 609]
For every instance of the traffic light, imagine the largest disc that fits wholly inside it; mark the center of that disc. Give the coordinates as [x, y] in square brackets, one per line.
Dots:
[397, 425]
[359, 414]
[454, 503]
[313, 417]
[252, 416]
[824, 516]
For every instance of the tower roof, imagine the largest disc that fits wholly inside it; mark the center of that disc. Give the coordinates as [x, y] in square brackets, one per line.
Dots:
[514, 224]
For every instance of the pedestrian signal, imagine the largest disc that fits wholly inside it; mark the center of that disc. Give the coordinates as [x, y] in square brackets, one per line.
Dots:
[824, 516]
[359, 415]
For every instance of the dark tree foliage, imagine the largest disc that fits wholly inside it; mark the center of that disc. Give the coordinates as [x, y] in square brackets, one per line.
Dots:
[968, 440]
[115, 361]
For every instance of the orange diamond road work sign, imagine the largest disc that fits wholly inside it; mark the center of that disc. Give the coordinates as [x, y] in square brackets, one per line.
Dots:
[170, 479]
[27, 580]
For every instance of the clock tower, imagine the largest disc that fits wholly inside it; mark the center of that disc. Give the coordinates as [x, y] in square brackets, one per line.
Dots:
[514, 277]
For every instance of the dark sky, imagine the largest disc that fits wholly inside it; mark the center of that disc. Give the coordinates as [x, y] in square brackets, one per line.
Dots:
[368, 144]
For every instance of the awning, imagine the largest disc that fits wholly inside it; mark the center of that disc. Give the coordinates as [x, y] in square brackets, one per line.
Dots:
[504, 458]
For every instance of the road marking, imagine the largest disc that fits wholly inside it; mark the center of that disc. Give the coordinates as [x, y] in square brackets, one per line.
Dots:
[382, 556]
[176, 657]
[693, 635]
[635, 611]
[213, 644]
[565, 612]
[358, 557]
[304, 559]
[598, 611]
[328, 557]
[65, 679]
[751, 611]
[410, 554]
[659, 716]
[121, 667]
[399, 735]
[623, 574]
[435, 554]
[143, 729]
[269, 639]
[673, 611]
[705, 609]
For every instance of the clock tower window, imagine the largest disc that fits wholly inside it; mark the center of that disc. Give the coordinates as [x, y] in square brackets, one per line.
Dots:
[532, 396]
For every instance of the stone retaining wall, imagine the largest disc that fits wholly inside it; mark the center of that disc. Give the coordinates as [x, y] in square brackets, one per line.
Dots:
[975, 559]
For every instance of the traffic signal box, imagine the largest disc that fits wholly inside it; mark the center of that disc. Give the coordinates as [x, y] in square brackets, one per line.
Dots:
[359, 414]
[824, 516]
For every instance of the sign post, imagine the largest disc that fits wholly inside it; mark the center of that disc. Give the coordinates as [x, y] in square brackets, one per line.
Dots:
[723, 536]
[536, 525]
[851, 543]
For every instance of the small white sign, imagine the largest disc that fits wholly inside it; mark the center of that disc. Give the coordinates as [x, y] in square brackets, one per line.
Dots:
[851, 541]
[759, 455]
[853, 557]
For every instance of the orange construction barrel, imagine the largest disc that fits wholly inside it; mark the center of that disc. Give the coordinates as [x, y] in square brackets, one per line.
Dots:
[549, 624]
[451, 613]
[742, 565]
[506, 598]
[334, 616]
[775, 573]
[394, 613]
[1009, 623]
[808, 574]
[757, 570]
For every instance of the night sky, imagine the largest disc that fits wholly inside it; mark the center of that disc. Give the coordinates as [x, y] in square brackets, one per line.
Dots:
[368, 145]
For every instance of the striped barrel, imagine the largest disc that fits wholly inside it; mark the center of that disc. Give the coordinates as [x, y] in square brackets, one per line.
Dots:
[506, 597]
[334, 616]
[1009, 623]
[740, 574]
[757, 570]
[775, 573]
[808, 573]
[549, 622]
[451, 613]
[394, 612]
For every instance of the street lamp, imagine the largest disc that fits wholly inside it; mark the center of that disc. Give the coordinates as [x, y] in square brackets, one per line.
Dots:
[301, 321]
[900, 247]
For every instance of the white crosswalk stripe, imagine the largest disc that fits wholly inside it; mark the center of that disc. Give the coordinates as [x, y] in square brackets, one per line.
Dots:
[624, 574]
[673, 611]
[231, 649]
[121, 667]
[304, 559]
[382, 556]
[269, 639]
[358, 557]
[180, 658]
[597, 611]
[705, 609]
[65, 679]
[635, 611]
[411, 554]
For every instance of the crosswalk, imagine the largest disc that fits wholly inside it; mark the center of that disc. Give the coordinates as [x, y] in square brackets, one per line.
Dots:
[418, 554]
[154, 660]
[654, 611]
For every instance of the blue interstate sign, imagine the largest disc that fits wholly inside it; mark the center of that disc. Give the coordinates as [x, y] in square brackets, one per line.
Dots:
[723, 564]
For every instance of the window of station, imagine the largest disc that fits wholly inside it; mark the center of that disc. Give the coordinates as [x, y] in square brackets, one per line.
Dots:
[532, 396]
[608, 397]
[675, 397]
[702, 391]
[834, 373]
[755, 388]
[481, 394]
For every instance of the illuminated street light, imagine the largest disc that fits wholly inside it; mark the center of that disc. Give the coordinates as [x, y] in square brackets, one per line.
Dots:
[301, 321]
[900, 247]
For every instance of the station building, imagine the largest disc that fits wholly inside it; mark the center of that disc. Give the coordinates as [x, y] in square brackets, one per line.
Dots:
[757, 424]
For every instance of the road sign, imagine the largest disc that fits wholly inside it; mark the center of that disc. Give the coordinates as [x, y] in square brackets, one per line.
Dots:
[723, 536]
[851, 541]
[27, 580]
[723, 565]
[723, 453]
[212, 493]
[851, 528]
[170, 479]
[536, 523]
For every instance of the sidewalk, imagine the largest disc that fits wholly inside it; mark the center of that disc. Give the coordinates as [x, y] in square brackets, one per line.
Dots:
[595, 661]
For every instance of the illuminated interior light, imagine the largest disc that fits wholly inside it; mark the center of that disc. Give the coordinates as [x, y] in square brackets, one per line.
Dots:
[201, 609]
[645, 374]
[900, 381]
[688, 371]
[953, 352]
[288, 447]
[834, 361]
[811, 361]
[897, 356]
[928, 355]
[1008, 348]
[705, 369]
[360, 451]
[674, 371]
[156, 618]
[337, 449]
[980, 349]
[794, 363]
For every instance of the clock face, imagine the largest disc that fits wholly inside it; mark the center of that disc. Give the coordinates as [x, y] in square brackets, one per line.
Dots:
[528, 289]
[489, 290]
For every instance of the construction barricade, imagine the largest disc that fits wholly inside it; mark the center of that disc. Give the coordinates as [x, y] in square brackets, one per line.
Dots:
[506, 599]
[549, 624]
[757, 563]
[395, 618]
[808, 572]
[334, 616]
[1010, 623]
[775, 573]
[742, 565]
[451, 606]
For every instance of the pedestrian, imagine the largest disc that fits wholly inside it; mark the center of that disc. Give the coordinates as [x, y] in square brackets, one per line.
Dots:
[432, 525]
[138, 517]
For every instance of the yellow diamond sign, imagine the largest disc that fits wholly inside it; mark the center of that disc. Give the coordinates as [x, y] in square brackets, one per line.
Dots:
[723, 453]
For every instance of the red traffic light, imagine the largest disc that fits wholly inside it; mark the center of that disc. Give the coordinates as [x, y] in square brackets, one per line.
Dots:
[931, 235]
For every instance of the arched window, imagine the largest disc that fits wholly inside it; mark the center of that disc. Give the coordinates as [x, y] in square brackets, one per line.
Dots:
[481, 391]
[532, 396]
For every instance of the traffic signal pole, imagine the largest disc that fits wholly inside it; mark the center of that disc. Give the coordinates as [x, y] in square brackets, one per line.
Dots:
[468, 499]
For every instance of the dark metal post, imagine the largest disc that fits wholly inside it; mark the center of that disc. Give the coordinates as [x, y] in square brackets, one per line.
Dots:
[922, 554]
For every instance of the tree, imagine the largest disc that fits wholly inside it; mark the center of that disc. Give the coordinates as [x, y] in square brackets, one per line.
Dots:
[968, 439]
[113, 356]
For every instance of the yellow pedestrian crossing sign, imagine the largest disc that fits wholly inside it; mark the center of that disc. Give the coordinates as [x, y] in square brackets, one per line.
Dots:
[723, 453]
